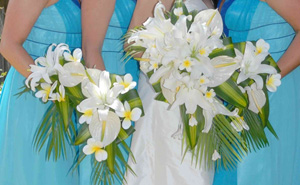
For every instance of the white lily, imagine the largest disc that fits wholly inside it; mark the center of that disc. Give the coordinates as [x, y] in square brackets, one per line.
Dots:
[251, 67]
[96, 147]
[105, 130]
[257, 98]
[190, 97]
[46, 92]
[129, 115]
[216, 107]
[216, 155]
[273, 81]
[126, 83]
[76, 57]
[102, 92]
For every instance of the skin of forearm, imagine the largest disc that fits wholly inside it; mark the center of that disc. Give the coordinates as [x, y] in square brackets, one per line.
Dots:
[94, 27]
[291, 58]
[17, 57]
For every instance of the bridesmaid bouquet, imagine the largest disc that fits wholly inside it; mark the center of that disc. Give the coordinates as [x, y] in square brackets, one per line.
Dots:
[105, 104]
[220, 87]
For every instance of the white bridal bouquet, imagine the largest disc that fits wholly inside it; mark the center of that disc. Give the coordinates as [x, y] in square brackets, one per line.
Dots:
[105, 105]
[219, 87]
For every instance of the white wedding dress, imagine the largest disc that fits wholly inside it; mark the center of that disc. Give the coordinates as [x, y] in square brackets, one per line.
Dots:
[158, 155]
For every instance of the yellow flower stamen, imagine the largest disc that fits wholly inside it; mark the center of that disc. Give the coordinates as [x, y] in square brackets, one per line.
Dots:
[187, 63]
[270, 81]
[125, 84]
[155, 65]
[96, 149]
[202, 51]
[128, 115]
[77, 74]
[202, 80]
[258, 50]
[88, 113]
[208, 94]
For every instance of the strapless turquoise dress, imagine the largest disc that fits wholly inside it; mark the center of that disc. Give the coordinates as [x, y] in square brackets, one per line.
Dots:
[278, 164]
[112, 53]
[20, 164]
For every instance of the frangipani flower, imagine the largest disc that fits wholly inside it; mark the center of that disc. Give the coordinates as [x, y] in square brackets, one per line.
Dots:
[76, 57]
[210, 95]
[127, 83]
[105, 130]
[216, 156]
[273, 81]
[262, 49]
[251, 67]
[46, 92]
[96, 147]
[187, 64]
[257, 98]
[129, 115]
[89, 110]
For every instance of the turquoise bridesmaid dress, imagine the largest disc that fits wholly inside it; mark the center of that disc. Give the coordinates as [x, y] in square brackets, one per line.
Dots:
[20, 164]
[278, 164]
[112, 53]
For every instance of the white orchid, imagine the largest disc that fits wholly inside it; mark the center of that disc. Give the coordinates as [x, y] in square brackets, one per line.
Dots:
[216, 155]
[126, 83]
[273, 81]
[251, 66]
[46, 91]
[178, 11]
[257, 98]
[129, 115]
[76, 57]
[96, 147]
[59, 96]
[210, 95]
[193, 121]
[88, 108]
[187, 64]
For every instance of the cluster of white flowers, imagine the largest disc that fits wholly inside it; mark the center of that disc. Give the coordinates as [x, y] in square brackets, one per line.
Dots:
[178, 55]
[251, 67]
[101, 109]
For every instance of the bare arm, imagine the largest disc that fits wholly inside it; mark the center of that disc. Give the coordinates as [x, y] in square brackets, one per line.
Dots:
[19, 20]
[208, 3]
[290, 11]
[96, 15]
